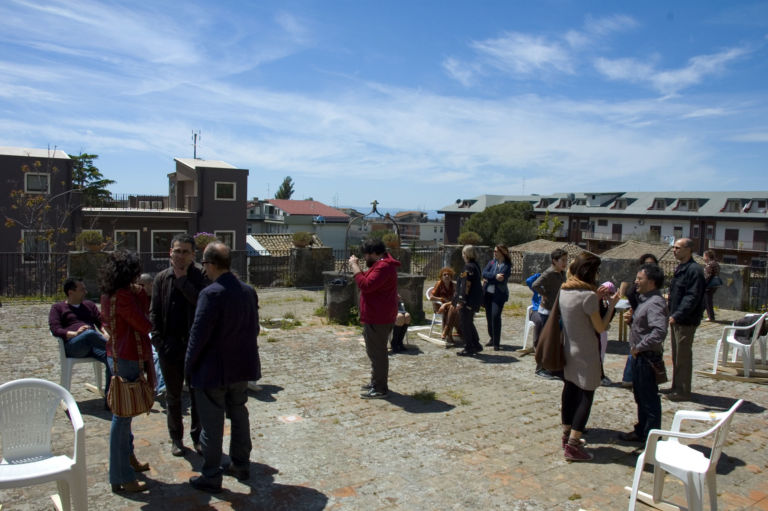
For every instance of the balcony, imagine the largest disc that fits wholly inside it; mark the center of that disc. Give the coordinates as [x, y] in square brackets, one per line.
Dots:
[742, 246]
[142, 202]
[602, 236]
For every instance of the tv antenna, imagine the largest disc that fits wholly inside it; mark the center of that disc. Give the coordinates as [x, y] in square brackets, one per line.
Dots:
[195, 137]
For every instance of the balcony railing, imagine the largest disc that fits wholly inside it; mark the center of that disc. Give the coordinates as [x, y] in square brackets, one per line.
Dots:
[748, 246]
[601, 236]
[125, 201]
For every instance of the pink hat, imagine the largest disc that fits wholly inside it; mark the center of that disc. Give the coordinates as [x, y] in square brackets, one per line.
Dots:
[609, 285]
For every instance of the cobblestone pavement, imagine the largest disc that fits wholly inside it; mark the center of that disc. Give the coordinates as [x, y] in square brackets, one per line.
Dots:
[489, 439]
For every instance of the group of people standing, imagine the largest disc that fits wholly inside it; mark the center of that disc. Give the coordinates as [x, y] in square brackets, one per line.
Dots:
[203, 325]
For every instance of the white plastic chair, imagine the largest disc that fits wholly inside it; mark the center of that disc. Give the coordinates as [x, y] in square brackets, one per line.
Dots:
[689, 465]
[728, 339]
[437, 318]
[67, 363]
[529, 325]
[27, 410]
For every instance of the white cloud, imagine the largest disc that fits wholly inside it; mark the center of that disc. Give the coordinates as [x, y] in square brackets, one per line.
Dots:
[524, 54]
[760, 137]
[459, 71]
[669, 81]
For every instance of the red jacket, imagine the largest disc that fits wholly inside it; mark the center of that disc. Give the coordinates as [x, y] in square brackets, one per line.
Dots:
[378, 291]
[131, 308]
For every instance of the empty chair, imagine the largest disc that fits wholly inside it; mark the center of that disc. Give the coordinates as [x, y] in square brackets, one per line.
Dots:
[27, 410]
[689, 465]
[728, 339]
[67, 363]
[529, 325]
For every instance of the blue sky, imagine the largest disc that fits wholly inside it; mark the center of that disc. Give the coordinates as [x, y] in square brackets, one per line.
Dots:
[413, 103]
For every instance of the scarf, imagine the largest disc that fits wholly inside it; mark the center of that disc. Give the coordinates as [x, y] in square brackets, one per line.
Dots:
[575, 283]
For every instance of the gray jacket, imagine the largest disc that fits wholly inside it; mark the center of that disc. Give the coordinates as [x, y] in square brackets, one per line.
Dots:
[649, 323]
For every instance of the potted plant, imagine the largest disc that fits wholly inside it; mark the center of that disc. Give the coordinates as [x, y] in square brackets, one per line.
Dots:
[302, 239]
[391, 240]
[202, 239]
[92, 240]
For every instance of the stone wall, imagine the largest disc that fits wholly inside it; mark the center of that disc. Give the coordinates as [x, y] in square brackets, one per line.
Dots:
[309, 264]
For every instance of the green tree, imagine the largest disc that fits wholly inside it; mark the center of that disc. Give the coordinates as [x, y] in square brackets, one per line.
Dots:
[88, 178]
[549, 227]
[286, 189]
[510, 223]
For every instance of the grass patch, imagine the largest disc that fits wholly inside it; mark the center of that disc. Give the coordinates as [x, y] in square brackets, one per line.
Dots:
[321, 311]
[575, 496]
[458, 397]
[271, 339]
[424, 395]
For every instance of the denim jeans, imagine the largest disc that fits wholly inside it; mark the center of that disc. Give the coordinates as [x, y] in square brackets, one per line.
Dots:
[646, 392]
[160, 387]
[627, 377]
[120, 435]
[90, 344]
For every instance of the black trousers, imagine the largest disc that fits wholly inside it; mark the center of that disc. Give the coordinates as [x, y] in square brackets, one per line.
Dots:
[468, 330]
[172, 366]
[646, 392]
[576, 405]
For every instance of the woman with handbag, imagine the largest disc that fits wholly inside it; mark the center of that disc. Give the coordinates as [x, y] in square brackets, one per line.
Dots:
[124, 307]
[495, 292]
[581, 319]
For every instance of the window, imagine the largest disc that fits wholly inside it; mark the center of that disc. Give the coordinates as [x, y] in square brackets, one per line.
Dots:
[733, 206]
[759, 263]
[226, 237]
[695, 232]
[127, 240]
[35, 182]
[225, 190]
[730, 259]
[35, 247]
[157, 204]
[710, 232]
[677, 231]
[161, 243]
[659, 204]
[602, 223]
[620, 204]
[143, 204]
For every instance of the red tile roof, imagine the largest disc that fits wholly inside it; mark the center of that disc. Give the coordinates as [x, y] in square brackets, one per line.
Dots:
[308, 207]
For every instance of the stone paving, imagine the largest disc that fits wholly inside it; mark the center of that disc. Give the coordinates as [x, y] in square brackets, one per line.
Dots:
[488, 439]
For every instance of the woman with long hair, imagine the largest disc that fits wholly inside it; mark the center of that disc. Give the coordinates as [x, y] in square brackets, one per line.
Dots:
[441, 296]
[124, 307]
[711, 270]
[468, 299]
[582, 324]
[495, 292]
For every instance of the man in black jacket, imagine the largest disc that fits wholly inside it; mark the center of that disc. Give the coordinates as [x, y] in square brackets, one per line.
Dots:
[174, 298]
[686, 303]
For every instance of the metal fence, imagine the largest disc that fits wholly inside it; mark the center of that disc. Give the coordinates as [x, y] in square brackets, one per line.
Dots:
[32, 275]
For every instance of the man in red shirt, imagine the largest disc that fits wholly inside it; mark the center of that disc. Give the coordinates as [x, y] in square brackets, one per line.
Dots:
[378, 310]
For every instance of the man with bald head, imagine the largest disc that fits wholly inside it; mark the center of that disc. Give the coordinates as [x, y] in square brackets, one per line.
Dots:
[222, 357]
[686, 304]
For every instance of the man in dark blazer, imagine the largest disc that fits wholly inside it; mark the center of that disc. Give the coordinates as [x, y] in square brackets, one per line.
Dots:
[222, 357]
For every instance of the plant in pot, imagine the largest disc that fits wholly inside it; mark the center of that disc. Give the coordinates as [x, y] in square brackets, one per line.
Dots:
[391, 240]
[202, 239]
[91, 240]
[302, 239]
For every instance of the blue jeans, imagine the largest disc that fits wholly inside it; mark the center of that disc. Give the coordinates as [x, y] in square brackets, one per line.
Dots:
[120, 435]
[627, 377]
[90, 344]
[158, 372]
[213, 405]
[646, 392]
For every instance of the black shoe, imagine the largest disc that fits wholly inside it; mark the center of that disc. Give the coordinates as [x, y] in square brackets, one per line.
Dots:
[198, 448]
[374, 394]
[367, 386]
[496, 347]
[177, 448]
[239, 473]
[205, 484]
[466, 353]
[630, 436]
[398, 349]
[543, 373]
[675, 396]
[489, 343]
[606, 382]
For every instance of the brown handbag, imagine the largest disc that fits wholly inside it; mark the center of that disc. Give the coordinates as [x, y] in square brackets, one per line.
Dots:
[128, 398]
[550, 353]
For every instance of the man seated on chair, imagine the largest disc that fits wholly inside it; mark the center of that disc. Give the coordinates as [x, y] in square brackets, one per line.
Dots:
[77, 322]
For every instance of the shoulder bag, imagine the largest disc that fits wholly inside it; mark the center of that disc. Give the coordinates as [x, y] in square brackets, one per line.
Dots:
[550, 353]
[128, 398]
